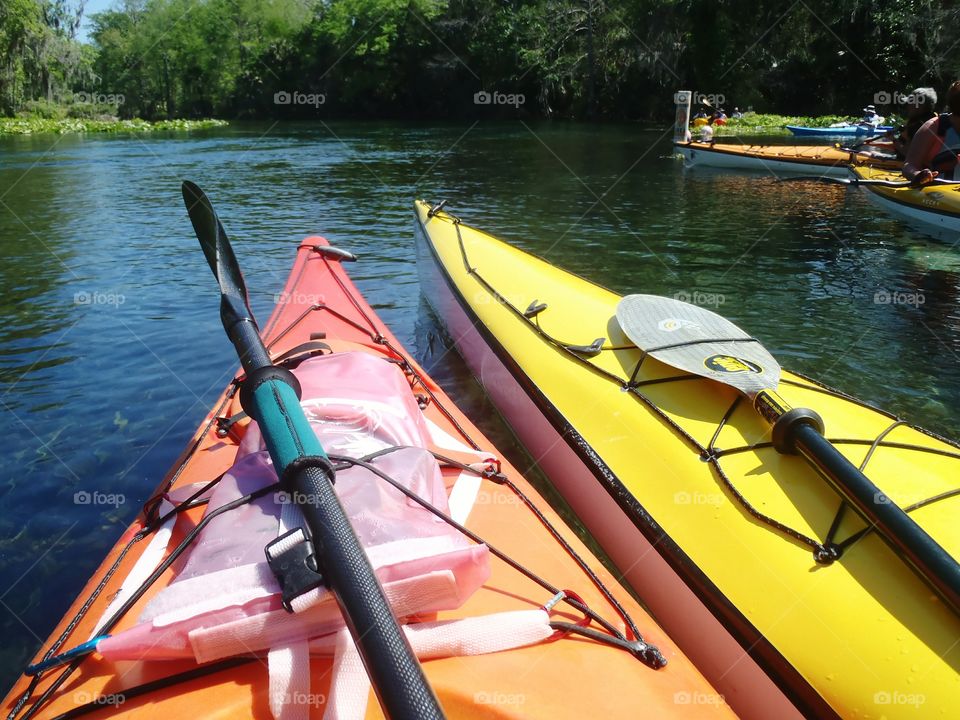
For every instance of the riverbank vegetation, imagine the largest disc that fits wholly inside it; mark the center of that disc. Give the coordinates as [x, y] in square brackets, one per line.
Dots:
[159, 59]
[753, 123]
[35, 125]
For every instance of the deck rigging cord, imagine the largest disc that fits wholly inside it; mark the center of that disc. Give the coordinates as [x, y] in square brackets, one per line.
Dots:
[631, 641]
[824, 552]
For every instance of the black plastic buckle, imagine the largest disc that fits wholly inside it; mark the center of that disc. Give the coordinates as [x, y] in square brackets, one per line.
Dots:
[295, 568]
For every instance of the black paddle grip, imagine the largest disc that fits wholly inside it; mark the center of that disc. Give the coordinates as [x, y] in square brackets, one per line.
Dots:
[907, 539]
[394, 672]
[784, 427]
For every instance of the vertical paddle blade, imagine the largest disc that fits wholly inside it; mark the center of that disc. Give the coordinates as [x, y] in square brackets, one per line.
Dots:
[216, 247]
[235, 309]
[694, 339]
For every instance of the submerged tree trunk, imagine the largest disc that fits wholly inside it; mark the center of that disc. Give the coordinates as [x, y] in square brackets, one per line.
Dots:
[166, 86]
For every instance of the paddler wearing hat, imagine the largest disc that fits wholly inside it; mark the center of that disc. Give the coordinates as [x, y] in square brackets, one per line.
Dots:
[870, 116]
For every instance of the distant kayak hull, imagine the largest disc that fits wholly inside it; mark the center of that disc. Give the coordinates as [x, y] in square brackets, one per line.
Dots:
[778, 160]
[854, 130]
[934, 206]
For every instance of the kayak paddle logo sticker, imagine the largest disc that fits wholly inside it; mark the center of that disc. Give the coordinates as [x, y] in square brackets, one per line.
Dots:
[673, 324]
[730, 364]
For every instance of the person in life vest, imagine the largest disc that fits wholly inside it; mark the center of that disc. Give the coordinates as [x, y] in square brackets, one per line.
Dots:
[870, 116]
[706, 131]
[922, 107]
[933, 151]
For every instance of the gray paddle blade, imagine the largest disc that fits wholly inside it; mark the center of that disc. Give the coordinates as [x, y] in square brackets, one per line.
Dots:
[698, 341]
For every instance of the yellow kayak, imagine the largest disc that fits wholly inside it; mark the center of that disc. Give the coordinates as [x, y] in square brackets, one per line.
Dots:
[746, 556]
[936, 206]
[780, 159]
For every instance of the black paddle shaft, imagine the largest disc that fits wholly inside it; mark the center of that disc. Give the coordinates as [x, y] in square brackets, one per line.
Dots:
[394, 672]
[392, 666]
[706, 344]
[830, 180]
[907, 539]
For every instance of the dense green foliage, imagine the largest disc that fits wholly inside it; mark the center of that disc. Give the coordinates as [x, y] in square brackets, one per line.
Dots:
[767, 124]
[428, 58]
[33, 125]
[39, 56]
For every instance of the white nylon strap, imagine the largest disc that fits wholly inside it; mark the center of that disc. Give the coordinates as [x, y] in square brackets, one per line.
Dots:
[479, 635]
[290, 515]
[148, 562]
[289, 668]
[285, 542]
[350, 687]
[279, 627]
[464, 495]
[442, 439]
[154, 553]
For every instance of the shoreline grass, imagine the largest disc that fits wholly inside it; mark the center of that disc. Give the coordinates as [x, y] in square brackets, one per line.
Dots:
[749, 124]
[770, 124]
[37, 125]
